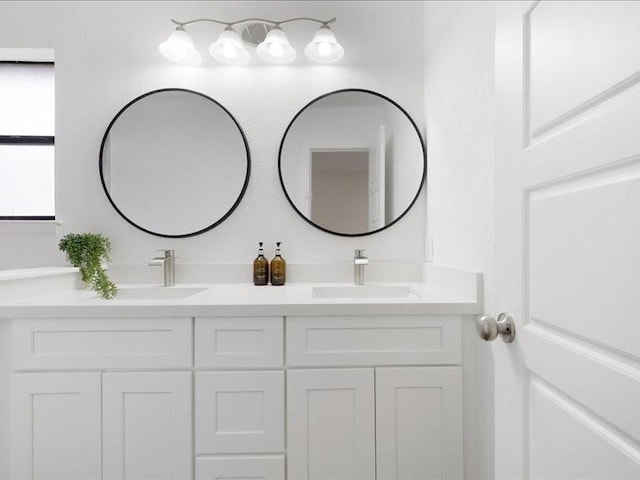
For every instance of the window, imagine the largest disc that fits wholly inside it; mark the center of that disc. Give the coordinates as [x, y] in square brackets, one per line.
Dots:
[27, 139]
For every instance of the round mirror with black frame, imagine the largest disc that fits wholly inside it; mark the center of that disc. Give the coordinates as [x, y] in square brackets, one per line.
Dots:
[174, 163]
[352, 162]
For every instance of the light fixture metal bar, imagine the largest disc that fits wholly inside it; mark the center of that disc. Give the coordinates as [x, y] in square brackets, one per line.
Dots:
[249, 20]
[323, 22]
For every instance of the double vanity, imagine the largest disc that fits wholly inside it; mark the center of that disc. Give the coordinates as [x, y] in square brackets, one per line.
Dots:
[304, 381]
[232, 381]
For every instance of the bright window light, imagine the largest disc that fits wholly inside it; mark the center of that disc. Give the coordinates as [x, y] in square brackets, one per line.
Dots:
[27, 125]
[26, 181]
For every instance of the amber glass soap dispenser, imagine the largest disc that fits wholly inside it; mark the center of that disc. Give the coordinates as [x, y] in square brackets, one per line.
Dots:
[260, 268]
[278, 268]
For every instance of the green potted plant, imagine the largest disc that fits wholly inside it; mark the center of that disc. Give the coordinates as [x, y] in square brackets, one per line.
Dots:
[88, 251]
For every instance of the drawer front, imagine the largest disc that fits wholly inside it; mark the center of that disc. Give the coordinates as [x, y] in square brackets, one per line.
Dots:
[239, 342]
[240, 467]
[374, 340]
[47, 344]
[239, 412]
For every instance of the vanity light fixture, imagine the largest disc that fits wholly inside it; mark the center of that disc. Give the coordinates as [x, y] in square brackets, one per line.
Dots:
[180, 48]
[271, 42]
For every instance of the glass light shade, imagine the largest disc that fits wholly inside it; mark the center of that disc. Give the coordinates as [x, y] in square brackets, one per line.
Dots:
[229, 49]
[276, 48]
[324, 48]
[180, 49]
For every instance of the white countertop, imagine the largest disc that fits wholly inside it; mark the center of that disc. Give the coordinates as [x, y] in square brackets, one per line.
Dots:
[58, 293]
[240, 300]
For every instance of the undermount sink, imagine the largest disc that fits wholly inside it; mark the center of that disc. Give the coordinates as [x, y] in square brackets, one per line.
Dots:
[363, 291]
[157, 293]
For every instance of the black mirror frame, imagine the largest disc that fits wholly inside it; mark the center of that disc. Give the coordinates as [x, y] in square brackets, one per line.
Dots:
[422, 145]
[184, 235]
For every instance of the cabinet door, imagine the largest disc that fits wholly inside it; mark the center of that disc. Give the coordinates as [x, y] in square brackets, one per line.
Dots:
[147, 425]
[239, 412]
[330, 424]
[55, 426]
[419, 423]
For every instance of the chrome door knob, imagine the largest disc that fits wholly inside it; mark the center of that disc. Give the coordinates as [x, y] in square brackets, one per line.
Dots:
[489, 328]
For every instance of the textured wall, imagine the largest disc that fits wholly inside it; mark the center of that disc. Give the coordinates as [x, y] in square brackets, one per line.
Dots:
[106, 55]
[459, 106]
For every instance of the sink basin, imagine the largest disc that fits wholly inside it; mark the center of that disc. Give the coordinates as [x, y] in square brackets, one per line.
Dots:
[363, 291]
[157, 293]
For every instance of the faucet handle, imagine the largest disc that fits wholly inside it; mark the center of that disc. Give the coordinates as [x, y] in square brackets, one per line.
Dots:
[359, 253]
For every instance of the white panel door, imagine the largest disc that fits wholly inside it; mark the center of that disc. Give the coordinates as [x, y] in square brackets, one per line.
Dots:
[55, 426]
[330, 424]
[147, 425]
[419, 423]
[568, 239]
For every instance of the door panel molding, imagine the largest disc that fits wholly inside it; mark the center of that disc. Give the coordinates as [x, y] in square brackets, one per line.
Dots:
[547, 438]
[602, 383]
[578, 255]
[561, 79]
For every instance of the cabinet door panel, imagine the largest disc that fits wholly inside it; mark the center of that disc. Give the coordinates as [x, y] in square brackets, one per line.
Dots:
[239, 412]
[419, 423]
[55, 426]
[147, 425]
[331, 431]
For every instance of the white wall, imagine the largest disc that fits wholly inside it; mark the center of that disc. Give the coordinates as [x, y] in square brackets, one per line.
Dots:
[106, 55]
[459, 106]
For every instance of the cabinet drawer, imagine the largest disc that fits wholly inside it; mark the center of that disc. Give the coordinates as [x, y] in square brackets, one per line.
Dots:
[373, 340]
[241, 467]
[239, 342]
[239, 412]
[46, 344]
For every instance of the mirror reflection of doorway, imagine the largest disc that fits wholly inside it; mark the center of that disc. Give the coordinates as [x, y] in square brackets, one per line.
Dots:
[340, 189]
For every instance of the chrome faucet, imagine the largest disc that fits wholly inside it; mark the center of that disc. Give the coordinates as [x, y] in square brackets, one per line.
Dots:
[359, 261]
[169, 264]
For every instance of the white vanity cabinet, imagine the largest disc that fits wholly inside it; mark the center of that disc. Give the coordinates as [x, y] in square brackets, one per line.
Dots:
[102, 421]
[213, 397]
[384, 422]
